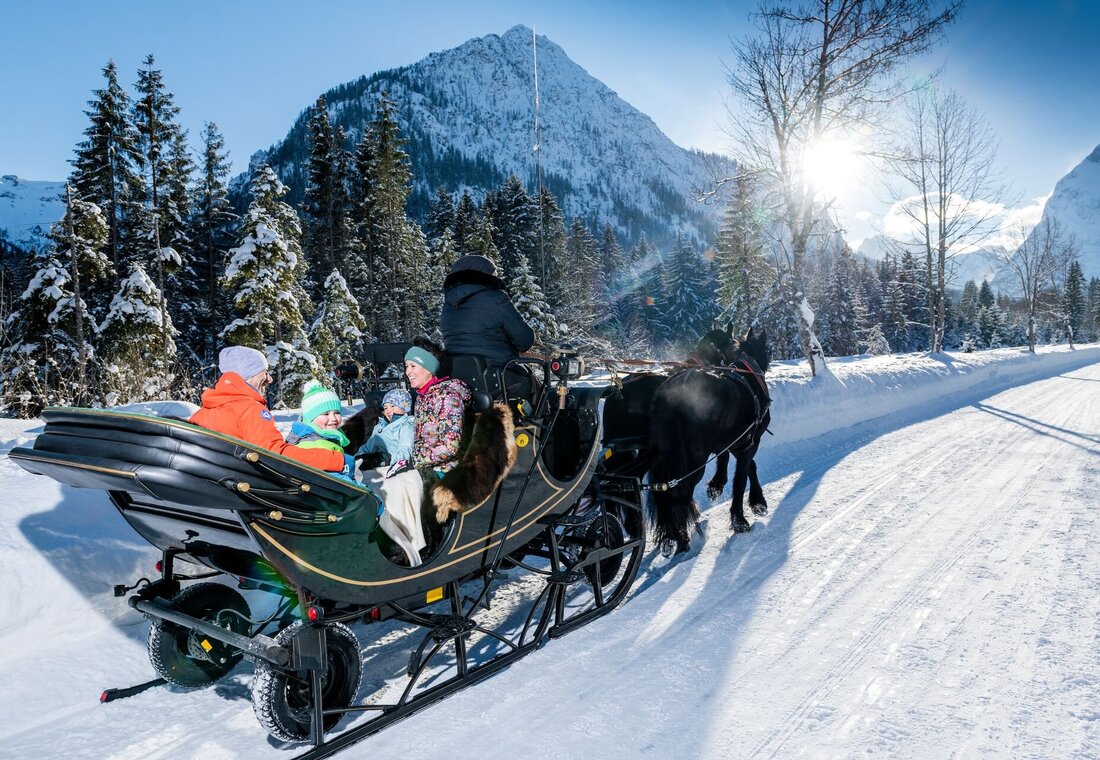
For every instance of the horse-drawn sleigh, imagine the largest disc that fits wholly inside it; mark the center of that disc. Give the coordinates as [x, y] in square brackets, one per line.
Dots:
[567, 517]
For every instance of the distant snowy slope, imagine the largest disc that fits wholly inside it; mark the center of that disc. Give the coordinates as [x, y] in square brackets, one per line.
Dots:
[29, 207]
[1075, 204]
[468, 114]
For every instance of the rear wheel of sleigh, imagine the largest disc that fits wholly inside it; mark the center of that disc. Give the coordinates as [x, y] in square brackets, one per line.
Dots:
[188, 657]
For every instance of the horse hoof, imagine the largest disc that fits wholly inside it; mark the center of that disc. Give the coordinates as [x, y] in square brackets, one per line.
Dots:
[713, 492]
[744, 527]
[682, 547]
[759, 509]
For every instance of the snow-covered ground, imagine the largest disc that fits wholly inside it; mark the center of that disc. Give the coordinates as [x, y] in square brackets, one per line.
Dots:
[927, 585]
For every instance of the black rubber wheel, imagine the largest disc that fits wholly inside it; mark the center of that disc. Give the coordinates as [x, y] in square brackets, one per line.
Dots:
[190, 658]
[283, 700]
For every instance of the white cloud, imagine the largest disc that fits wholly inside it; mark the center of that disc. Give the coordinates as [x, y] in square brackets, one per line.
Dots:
[1010, 221]
[863, 216]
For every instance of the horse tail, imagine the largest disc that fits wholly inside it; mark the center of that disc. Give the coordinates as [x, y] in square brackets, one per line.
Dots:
[671, 507]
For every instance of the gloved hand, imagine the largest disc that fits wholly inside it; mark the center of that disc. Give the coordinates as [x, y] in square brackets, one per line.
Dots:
[398, 467]
[371, 460]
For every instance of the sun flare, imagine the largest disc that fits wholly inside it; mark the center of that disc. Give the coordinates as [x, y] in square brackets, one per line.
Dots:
[830, 167]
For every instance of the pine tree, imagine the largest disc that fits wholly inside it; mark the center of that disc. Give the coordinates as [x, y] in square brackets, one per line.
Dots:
[549, 267]
[105, 166]
[441, 216]
[326, 196]
[515, 221]
[166, 169]
[79, 241]
[441, 256]
[1073, 300]
[467, 222]
[531, 304]
[138, 362]
[390, 250]
[1092, 312]
[688, 305]
[265, 273]
[338, 327]
[40, 364]
[580, 298]
[744, 277]
[212, 233]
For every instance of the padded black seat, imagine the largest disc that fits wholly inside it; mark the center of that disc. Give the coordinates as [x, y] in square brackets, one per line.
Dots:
[478, 376]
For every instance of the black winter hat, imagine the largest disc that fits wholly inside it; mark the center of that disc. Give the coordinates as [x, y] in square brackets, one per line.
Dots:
[474, 263]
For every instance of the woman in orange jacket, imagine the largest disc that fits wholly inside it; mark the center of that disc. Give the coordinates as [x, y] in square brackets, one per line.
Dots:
[236, 406]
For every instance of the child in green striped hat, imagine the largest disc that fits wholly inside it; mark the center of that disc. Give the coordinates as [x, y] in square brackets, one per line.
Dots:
[319, 425]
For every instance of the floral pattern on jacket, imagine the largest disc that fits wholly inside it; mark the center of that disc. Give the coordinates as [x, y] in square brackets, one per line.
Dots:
[440, 410]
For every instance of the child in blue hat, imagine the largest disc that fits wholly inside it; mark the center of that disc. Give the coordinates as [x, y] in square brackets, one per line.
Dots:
[392, 438]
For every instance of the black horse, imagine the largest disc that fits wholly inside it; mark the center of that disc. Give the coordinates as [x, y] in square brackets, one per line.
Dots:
[718, 409]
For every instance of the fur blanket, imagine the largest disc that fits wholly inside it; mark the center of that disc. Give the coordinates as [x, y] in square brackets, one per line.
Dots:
[487, 459]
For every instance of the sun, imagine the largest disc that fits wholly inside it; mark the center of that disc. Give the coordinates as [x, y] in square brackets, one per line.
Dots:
[830, 166]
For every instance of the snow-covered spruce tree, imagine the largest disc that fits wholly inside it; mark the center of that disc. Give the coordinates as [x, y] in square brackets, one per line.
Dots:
[1073, 300]
[440, 217]
[745, 279]
[1092, 311]
[326, 196]
[467, 222]
[549, 265]
[579, 293]
[212, 237]
[516, 226]
[441, 256]
[166, 168]
[137, 344]
[390, 249]
[105, 167]
[265, 275]
[531, 304]
[39, 366]
[337, 329]
[79, 240]
[295, 363]
[689, 303]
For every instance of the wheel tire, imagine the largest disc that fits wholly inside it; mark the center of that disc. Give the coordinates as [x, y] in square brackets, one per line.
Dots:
[189, 658]
[282, 700]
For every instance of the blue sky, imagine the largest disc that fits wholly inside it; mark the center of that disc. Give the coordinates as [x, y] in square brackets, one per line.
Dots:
[1032, 68]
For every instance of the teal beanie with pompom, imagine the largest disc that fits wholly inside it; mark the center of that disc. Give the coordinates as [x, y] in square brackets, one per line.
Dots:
[316, 400]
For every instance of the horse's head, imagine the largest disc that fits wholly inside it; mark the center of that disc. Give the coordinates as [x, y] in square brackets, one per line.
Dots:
[717, 347]
[755, 345]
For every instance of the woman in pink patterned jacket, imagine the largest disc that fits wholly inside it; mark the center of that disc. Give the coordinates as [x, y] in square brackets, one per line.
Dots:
[439, 411]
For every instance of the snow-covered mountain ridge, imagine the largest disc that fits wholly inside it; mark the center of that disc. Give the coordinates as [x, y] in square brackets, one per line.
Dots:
[28, 208]
[1075, 204]
[468, 114]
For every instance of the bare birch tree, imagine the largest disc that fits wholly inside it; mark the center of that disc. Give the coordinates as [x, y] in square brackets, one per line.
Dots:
[942, 178]
[1033, 261]
[815, 71]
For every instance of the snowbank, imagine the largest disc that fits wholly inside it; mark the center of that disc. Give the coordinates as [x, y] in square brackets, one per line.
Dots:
[862, 388]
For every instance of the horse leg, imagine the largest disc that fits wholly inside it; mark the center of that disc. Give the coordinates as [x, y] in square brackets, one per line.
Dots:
[757, 502]
[737, 506]
[717, 484]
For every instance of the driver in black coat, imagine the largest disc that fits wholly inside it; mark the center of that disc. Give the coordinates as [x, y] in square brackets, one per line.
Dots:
[479, 318]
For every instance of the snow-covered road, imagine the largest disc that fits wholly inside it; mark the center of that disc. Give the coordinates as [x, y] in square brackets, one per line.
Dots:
[927, 585]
